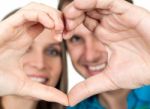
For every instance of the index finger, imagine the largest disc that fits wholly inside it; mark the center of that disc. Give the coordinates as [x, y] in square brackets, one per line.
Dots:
[43, 92]
[75, 10]
[116, 6]
[73, 16]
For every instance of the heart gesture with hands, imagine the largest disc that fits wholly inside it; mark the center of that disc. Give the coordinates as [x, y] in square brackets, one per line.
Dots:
[125, 36]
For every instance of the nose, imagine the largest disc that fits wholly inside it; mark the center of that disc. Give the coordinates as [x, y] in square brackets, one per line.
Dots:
[37, 60]
[94, 52]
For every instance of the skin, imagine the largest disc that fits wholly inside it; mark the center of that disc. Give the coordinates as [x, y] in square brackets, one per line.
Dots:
[47, 55]
[16, 37]
[89, 57]
[129, 38]
[126, 38]
[39, 62]
[86, 51]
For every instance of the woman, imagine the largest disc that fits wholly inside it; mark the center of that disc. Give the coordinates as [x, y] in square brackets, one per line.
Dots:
[91, 64]
[45, 63]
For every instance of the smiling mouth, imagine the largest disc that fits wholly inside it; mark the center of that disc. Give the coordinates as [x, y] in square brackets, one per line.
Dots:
[39, 79]
[96, 69]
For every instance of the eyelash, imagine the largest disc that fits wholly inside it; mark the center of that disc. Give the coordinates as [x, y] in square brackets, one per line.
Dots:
[53, 52]
[75, 39]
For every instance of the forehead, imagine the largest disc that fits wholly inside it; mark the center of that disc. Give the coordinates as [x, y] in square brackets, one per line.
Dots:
[46, 37]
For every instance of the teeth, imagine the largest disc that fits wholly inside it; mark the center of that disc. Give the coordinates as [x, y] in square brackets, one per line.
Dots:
[40, 80]
[98, 67]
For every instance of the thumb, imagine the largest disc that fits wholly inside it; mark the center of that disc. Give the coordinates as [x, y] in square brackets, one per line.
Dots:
[37, 90]
[34, 30]
[116, 6]
[93, 85]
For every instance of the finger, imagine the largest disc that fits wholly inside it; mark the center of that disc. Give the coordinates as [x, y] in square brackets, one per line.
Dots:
[71, 12]
[58, 21]
[71, 24]
[90, 23]
[67, 35]
[34, 30]
[73, 17]
[59, 25]
[24, 43]
[97, 14]
[25, 16]
[54, 14]
[103, 11]
[59, 37]
[91, 86]
[33, 89]
[78, 7]
[117, 6]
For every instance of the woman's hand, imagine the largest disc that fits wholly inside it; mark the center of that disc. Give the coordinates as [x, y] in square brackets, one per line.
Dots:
[16, 34]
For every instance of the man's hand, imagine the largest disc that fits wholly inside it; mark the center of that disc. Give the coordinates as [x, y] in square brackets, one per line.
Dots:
[123, 29]
[16, 34]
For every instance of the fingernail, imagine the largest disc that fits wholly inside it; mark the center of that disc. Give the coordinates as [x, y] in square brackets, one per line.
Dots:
[59, 37]
[67, 35]
[69, 24]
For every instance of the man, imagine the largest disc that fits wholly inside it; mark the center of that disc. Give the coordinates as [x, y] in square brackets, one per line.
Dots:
[109, 50]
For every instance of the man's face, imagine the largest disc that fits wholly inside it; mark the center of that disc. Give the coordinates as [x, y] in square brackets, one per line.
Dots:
[88, 54]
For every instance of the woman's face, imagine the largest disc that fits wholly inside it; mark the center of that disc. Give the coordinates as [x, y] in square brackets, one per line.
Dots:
[42, 62]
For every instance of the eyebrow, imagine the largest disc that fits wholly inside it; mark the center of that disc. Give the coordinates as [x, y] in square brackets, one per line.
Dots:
[76, 35]
[54, 44]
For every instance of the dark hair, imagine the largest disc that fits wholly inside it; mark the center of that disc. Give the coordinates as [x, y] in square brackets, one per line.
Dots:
[62, 83]
[63, 2]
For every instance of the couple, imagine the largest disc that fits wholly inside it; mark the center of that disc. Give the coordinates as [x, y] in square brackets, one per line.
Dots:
[90, 49]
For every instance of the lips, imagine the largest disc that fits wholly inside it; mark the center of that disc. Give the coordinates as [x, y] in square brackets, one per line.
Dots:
[96, 69]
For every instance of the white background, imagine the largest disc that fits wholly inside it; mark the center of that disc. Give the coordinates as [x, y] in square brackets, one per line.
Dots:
[9, 5]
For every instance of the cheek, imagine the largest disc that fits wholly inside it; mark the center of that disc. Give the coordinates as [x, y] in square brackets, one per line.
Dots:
[75, 53]
[54, 79]
[54, 69]
[25, 62]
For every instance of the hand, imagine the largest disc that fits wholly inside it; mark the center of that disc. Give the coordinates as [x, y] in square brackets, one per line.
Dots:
[123, 29]
[16, 34]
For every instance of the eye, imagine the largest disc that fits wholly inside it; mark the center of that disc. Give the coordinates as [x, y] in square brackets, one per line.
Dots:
[53, 52]
[76, 39]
